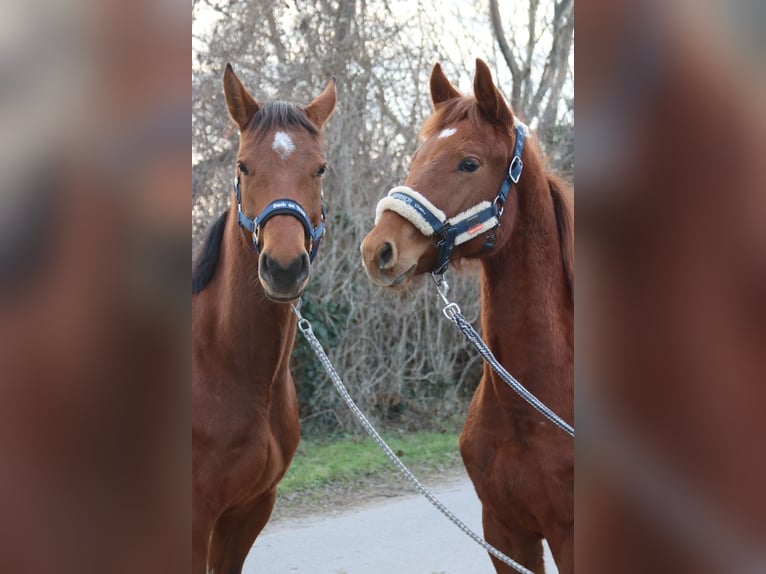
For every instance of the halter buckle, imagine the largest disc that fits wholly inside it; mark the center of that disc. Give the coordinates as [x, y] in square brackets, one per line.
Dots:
[440, 235]
[499, 205]
[514, 171]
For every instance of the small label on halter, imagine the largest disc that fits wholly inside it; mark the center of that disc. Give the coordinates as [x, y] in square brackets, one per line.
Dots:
[475, 229]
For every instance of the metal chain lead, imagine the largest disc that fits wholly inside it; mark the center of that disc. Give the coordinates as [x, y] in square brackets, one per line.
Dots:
[452, 312]
[316, 346]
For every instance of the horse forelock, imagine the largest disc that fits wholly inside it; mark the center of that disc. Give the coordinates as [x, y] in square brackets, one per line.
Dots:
[280, 115]
[456, 110]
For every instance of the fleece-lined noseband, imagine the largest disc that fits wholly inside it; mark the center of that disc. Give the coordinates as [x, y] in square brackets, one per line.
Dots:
[450, 232]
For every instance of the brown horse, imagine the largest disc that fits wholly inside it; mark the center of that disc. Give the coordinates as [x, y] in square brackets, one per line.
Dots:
[245, 426]
[521, 465]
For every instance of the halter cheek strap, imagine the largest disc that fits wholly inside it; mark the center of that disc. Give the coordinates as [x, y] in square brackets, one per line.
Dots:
[453, 231]
[280, 207]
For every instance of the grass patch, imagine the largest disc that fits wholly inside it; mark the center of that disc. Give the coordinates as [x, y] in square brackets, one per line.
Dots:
[355, 460]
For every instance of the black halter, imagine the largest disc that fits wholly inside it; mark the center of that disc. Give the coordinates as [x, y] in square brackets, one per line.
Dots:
[280, 207]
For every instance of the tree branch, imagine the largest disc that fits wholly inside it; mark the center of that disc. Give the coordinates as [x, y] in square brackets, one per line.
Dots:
[505, 49]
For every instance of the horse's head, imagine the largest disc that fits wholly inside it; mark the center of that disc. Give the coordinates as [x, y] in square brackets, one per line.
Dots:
[453, 186]
[279, 183]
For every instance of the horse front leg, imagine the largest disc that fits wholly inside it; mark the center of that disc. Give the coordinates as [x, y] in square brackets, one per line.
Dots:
[202, 526]
[236, 531]
[523, 546]
[561, 542]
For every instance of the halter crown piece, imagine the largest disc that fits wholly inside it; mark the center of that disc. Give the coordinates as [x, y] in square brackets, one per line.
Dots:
[450, 232]
[280, 207]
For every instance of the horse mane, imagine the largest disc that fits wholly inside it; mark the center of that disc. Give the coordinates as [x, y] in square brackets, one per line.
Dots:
[563, 205]
[206, 259]
[278, 114]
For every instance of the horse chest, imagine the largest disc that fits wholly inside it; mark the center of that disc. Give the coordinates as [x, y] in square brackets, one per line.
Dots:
[507, 460]
[508, 479]
[252, 465]
[246, 434]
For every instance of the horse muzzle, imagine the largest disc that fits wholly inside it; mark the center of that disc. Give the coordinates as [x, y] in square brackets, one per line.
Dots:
[390, 256]
[283, 282]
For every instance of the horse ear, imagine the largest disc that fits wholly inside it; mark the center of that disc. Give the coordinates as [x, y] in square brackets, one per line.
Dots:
[322, 107]
[441, 88]
[488, 98]
[242, 106]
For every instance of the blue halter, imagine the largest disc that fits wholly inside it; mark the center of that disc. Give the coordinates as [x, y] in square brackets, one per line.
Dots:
[280, 207]
[446, 233]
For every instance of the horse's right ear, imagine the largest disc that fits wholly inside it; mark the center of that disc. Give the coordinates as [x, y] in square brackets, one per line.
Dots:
[242, 106]
[441, 88]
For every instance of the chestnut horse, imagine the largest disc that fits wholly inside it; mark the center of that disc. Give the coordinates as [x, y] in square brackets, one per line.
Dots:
[521, 465]
[245, 426]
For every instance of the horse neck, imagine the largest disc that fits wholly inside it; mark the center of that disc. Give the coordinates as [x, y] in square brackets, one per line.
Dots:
[527, 309]
[256, 332]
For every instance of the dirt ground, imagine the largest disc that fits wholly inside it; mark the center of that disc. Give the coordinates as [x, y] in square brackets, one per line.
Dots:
[334, 499]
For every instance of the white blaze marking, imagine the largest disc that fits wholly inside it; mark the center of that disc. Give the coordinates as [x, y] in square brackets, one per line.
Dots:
[446, 132]
[283, 145]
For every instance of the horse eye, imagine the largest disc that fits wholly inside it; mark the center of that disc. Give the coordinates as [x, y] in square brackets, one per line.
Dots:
[242, 168]
[468, 165]
[322, 170]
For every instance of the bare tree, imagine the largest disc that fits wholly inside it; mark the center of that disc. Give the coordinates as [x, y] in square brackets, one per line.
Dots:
[540, 66]
[403, 362]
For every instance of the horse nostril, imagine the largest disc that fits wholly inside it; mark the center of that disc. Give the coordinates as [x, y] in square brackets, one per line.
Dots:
[305, 267]
[385, 255]
[263, 263]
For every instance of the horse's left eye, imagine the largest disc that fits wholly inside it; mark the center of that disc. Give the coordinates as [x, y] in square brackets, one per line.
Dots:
[469, 165]
[322, 170]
